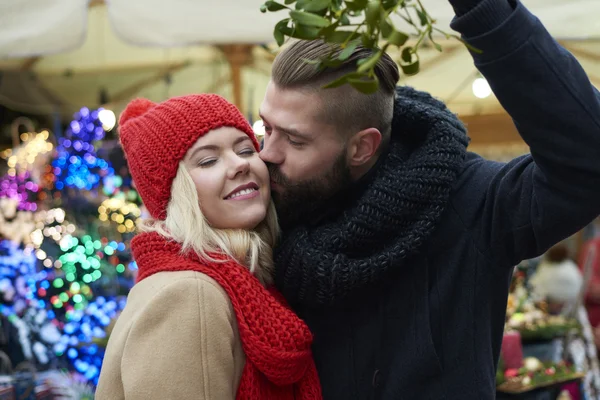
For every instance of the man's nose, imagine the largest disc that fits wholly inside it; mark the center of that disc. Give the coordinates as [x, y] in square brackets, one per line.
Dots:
[270, 153]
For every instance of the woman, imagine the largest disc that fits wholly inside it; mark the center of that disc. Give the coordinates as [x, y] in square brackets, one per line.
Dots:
[200, 322]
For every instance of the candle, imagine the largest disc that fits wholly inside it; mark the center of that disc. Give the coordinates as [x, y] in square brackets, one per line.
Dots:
[512, 350]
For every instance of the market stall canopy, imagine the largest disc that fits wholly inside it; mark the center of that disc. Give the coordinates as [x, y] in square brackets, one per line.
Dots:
[59, 55]
[41, 27]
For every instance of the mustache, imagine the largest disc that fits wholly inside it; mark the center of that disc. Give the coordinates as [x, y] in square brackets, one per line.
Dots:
[276, 175]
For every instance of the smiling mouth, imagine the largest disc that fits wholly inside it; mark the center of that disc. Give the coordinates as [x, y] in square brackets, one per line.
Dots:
[247, 191]
[241, 193]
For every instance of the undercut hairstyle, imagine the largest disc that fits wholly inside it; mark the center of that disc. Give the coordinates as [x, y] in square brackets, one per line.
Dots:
[344, 107]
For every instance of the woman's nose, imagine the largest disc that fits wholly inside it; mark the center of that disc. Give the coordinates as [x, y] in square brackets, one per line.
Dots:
[239, 166]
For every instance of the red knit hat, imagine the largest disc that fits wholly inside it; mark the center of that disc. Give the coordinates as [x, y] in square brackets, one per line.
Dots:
[156, 137]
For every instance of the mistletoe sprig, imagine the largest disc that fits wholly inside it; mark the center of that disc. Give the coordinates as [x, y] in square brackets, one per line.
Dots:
[349, 23]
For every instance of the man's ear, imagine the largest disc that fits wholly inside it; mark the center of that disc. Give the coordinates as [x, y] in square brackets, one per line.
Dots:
[363, 146]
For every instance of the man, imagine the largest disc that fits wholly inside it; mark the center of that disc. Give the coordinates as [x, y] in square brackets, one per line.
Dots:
[398, 245]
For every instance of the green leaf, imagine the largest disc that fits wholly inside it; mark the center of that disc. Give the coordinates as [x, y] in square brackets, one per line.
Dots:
[469, 46]
[412, 68]
[372, 13]
[336, 5]
[345, 20]
[329, 63]
[279, 36]
[340, 37]
[309, 61]
[435, 44]
[386, 27]
[329, 30]
[397, 38]
[356, 5]
[368, 41]
[289, 1]
[369, 62]
[342, 80]
[347, 52]
[316, 5]
[365, 86]
[305, 32]
[263, 8]
[309, 19]
[388, 4]
[422, 17]
[280, 31]
[274, 6]
[406, 54]
[350, 5]
[300, 4]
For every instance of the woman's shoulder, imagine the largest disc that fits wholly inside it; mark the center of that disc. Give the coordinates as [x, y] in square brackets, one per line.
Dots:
[182, 286]
[175, 279]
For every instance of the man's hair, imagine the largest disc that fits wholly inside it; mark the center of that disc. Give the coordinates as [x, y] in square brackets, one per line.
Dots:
[186, 224]
[344, 107]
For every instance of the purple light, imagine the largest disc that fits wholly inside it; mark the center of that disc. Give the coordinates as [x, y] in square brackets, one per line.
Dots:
[19, 188]
[75, 127]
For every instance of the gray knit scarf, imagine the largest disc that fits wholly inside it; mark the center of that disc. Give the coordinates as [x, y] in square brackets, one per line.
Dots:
[390, 218]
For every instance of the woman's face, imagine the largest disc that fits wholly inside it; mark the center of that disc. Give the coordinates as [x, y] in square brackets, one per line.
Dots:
[232, 181]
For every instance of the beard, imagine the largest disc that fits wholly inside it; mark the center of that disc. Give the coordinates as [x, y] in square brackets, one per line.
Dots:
[299, 201]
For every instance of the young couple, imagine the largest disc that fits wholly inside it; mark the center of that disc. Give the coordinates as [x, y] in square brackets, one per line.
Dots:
[397, 245]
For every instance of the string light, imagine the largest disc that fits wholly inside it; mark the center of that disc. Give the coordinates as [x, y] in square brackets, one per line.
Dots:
[54, 273]
[259, 129]
[50, 224]
[17, 278]
[121, 212]
[84, 334]
[20, 188]
[23, 157]
[481, 88]
[107, 118]
[77, 164]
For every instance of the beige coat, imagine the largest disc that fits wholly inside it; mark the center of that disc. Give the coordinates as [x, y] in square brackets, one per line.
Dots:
[177, 338]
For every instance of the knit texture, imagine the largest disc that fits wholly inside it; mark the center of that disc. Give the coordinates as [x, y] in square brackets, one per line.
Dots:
[156, 137]
[390, 220]
[277, 344]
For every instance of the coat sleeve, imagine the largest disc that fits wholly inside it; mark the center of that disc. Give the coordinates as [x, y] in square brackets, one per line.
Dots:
[181, 346]
[518, 210]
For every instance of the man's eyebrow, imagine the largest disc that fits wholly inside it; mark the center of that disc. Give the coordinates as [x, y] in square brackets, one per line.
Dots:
[288, 131]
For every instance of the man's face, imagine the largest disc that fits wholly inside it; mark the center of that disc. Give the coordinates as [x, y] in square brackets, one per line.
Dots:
[305, 155]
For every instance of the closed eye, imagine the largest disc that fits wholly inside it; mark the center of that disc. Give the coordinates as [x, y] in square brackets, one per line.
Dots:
[294, 143]
[207, 162]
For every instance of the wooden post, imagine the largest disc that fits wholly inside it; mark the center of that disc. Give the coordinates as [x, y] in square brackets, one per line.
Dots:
[238, 56]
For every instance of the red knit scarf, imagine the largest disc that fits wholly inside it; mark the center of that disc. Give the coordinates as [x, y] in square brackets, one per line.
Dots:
[279, 363]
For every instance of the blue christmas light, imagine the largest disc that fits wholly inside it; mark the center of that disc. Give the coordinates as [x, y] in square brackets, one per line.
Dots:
[77, 164]
[83, 329]
[17, 276]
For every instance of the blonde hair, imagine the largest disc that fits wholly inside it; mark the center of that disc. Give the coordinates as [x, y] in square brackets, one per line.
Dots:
[185, 223]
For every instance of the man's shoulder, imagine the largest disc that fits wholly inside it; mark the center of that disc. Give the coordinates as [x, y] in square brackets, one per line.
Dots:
[477, 172]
